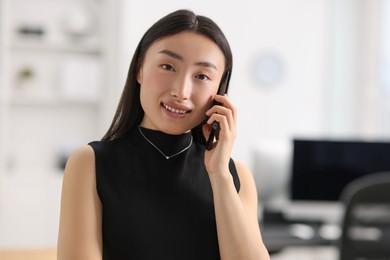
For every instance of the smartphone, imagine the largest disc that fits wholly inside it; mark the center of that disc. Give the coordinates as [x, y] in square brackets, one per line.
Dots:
[222, 90]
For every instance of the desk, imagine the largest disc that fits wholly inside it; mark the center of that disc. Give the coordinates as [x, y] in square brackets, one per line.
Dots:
[307, 253]
[278, 236]
[279, 233]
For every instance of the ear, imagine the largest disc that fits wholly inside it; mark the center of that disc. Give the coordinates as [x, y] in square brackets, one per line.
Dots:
[139, 75]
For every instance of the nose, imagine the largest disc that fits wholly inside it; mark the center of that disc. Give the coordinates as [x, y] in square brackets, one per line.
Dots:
[181, 88]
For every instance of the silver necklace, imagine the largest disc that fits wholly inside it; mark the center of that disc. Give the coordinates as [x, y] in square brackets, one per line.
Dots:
[166, 156]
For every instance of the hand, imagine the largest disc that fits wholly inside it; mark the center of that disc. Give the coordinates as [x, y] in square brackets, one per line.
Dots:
[217, 159]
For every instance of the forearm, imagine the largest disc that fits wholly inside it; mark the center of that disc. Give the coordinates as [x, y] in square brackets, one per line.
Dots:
[238, 232]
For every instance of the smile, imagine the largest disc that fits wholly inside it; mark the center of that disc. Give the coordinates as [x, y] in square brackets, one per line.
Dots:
[176, 111]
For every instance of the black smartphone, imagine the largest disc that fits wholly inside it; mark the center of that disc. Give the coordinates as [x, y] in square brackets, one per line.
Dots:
[222, 90]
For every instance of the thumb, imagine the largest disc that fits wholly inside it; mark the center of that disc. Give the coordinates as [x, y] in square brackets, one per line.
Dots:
[206, 129]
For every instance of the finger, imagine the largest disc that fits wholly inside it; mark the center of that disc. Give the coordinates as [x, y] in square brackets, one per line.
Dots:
[218, 109]
[206, 128]
[222, 120]
[221, 98]
[225, 102]
[206, 132]
[228, 104]
[222, 111]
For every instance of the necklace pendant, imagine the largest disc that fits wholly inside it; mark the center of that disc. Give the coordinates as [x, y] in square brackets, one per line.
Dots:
[167, 157]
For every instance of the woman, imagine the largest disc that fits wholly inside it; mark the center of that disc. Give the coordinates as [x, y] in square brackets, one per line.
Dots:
[149, 189]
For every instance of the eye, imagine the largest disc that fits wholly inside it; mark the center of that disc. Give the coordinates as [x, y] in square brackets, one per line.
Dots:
[167, 67]
[202, 77]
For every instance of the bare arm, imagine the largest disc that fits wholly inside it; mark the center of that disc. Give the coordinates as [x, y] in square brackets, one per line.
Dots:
[236, 215]
[81, 210]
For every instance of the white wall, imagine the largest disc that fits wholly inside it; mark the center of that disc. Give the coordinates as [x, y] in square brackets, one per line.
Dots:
[384, 56]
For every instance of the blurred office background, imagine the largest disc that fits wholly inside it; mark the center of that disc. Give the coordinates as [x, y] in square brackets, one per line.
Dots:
[311, 69]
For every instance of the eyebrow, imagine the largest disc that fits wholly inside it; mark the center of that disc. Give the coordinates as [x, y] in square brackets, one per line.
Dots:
[180, 58]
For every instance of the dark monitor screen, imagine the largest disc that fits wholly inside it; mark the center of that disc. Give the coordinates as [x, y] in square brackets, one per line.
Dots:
[322, 168]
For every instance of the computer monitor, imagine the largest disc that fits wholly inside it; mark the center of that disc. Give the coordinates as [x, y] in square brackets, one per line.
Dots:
[322, 168]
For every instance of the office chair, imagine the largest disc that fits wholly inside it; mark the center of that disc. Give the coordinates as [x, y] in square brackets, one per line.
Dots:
[366, 221]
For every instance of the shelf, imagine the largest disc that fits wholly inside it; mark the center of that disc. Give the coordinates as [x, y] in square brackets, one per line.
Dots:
[52, 101]
[56, 48]
[54, 94]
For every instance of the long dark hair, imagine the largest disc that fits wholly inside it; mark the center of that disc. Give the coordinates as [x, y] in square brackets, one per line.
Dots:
[129, 113]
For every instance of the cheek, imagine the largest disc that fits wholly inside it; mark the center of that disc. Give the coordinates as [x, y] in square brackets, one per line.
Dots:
[148, 92]
[149, 86]
[204, 104]
[205, 100]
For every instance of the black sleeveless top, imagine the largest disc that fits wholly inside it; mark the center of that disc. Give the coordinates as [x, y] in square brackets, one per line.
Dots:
[153, 207]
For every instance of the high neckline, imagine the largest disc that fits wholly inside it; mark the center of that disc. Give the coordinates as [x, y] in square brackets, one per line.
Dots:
[167, 144]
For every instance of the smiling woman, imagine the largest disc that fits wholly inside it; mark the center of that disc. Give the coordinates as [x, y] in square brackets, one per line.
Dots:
[150, 189]
[186, 81]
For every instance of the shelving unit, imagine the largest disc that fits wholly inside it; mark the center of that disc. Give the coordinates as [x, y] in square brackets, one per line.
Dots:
[56, 61]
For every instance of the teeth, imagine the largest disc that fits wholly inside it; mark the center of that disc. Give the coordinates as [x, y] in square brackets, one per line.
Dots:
[175, 110]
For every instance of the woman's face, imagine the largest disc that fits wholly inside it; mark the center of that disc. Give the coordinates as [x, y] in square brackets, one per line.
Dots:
[179, 77]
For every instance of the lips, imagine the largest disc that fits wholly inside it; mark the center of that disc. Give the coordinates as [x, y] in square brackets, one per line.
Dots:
[176, 110]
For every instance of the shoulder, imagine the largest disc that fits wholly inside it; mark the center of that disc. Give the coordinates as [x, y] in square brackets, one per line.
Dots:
[81, 157]
[242, 176]
[248, 190]
[79, 181]
[243, 172]
[108, 147]
[80, 165]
